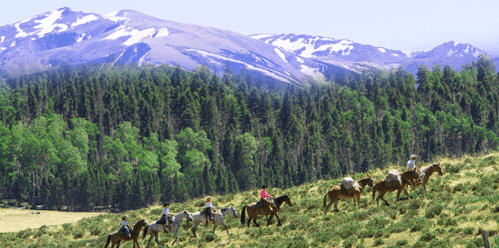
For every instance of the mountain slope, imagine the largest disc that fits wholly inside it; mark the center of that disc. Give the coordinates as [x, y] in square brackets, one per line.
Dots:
[128, 36]
[343, 52]
[459, 204]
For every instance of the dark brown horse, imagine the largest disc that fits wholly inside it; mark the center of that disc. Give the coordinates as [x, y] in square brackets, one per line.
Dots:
[254, 210]
[427, 172]
[117, 236]
[408, 178]
[335, 194]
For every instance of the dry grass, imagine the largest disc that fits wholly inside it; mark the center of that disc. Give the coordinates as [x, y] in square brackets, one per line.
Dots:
[14, 220]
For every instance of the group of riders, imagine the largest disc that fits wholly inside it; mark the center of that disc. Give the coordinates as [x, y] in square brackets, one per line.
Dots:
[265, 202]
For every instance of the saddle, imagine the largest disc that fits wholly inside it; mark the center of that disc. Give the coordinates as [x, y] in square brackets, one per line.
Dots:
[161, 221]
[207, 215]
[121, 232]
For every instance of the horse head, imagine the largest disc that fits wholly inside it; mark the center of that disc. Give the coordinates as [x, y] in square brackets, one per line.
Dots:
[439, 169]
[287, 199]
[371, 181]
[187, 215]
[140, 223]
[234, 212]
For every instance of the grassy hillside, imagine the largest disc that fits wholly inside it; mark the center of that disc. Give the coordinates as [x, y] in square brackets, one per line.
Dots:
[458, 204]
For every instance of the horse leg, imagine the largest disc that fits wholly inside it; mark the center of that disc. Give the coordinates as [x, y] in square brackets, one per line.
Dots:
[279, 223]
[398, 194]
[336, 204]
[254, 221]
[249, 220]
[424, 190]
[270, 219]
[194, 229]
[157, 241]
[214, 226]
[380, 196]
[226, 228]
[407, 193]
[357, 198]
[328, 206]
[176, 237]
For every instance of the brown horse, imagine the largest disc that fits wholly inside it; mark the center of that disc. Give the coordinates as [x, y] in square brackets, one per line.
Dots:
[427, 172]
[117, 237]
[408, 178]
[335, 194]
[254, 210]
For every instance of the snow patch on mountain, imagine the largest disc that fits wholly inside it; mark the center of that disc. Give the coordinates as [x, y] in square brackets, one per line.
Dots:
[283, 57]
[260, 36]
[408, 53]
[20, 32]
[13, 44]
[450, 52]
[85, 19]
[136, 35]
[307, 70]
[48, 24]
[113, 16]
[394, 54]
[162, 33]
[81, 37]
[457, 43]
[308, 48]
[2, 39]
[250, 67]
[467, 50]
[381, 50]
[299, 59]
[2, 49]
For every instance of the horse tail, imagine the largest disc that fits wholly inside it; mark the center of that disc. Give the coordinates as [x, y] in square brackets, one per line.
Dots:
[144, 234]
[108, 240]
[243, 215]
[325, 196]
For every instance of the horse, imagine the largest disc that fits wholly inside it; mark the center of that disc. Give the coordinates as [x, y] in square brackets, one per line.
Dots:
[117, 237]
[153, 229]
[407, 179]
[335, 194]
[218, 219]
[254, 210]
[426, 173]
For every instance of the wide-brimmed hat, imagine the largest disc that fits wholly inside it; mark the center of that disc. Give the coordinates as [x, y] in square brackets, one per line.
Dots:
[414, 156]
[265, 186]
[208, 197]
[124, 217]
[166, 204]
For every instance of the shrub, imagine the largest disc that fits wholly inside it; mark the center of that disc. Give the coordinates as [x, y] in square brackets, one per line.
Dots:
[378, 242]
[156, 212]
[208, 236]
[469, 230]
[5, 204]
[455, 168]
[416, 204]
[77, 234]
[418, 224]
[494, 209]
[433, 210]
[401, 242]
[350, 242]
[427, 236]
[440, 243]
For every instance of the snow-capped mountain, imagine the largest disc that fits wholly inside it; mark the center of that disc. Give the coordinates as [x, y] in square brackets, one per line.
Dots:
[64, 35]
[356, 56]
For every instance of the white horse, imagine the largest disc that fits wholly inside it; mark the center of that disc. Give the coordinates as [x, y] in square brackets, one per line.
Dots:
[154, 228]
[218, 219]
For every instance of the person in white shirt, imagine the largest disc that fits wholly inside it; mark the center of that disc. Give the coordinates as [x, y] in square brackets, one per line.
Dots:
[209, 206]
[411, 164]
[166, 212]
[124, 225]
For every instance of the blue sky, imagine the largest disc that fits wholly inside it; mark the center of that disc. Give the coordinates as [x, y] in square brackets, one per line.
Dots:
[394, 24]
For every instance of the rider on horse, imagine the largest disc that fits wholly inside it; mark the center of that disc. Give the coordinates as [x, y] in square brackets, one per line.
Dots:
[125, 224]
[411, 164]
[208, 207]
[166, 212]
[263, 196]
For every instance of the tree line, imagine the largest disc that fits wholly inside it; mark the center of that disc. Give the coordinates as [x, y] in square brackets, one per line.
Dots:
[129, 136]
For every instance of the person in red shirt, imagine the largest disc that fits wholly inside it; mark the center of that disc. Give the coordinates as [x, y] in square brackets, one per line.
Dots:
[263, 195]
